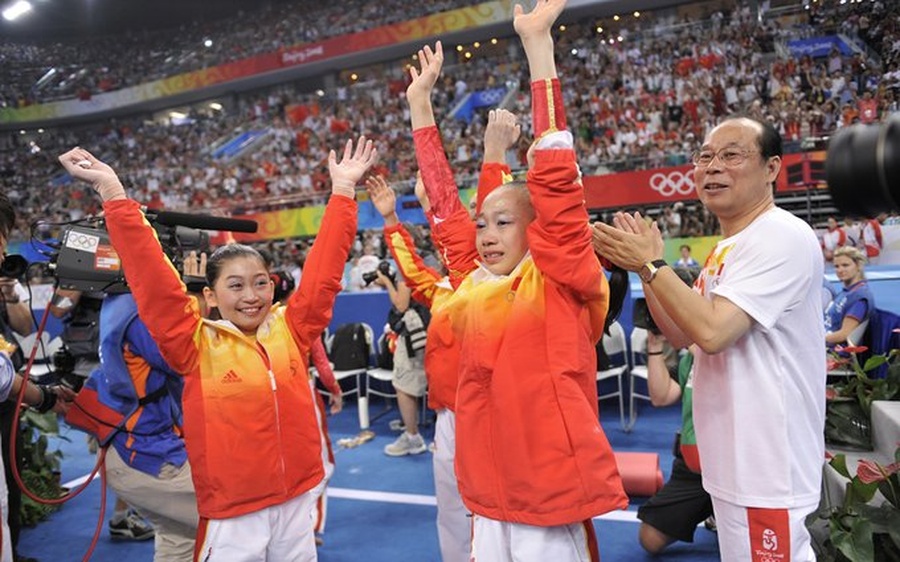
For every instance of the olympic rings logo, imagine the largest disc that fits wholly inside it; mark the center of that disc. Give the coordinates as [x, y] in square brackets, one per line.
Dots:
[81, 241]
[674, 182]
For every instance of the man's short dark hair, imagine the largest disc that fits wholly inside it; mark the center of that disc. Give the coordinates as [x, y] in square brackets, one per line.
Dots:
[769, 140]
[7, 215]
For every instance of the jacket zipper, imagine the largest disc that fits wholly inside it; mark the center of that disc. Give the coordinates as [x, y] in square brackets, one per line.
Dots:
[274, 385]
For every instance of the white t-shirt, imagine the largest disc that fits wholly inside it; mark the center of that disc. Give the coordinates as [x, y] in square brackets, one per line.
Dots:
[759, 405]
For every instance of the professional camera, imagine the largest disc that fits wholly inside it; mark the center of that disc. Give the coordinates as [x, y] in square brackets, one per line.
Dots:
[863, 168]
[86, 260]
[385, 268]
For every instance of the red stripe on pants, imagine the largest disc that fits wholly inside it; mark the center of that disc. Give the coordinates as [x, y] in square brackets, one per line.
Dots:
[770, 534]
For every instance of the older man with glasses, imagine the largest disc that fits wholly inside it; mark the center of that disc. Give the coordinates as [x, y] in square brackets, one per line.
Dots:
[754, 321]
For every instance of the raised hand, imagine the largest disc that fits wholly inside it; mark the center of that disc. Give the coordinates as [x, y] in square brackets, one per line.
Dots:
[383, 197]
[423, 80]
[538, 21]
[82, 165]
[352, 167]
[501, 134]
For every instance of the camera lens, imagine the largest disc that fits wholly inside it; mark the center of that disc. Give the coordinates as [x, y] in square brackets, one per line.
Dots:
[13, 266]
[863, 168]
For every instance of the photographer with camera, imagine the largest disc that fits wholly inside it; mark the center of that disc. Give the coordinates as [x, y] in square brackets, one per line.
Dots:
[409, 320]
[251, 429]
[15, 316]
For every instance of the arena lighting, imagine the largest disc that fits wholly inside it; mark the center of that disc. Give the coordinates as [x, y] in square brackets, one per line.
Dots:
[562, 28]
[616, 17]
[216, 106]
[17, 10]
[494, 41]
[459, 48]
[476, 44]
[207, 43]
[321, 93]
[599, 29]
[637, 14]
[177, 115]
[354, 77]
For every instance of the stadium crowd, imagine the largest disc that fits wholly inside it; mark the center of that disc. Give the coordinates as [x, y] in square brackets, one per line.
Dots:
[638, 96]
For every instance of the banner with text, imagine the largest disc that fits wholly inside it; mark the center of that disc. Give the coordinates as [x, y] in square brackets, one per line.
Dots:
[666, 185]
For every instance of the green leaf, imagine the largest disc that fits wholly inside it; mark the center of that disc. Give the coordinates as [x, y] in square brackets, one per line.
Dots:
[839, 463]
[874, 362]
[856, 544]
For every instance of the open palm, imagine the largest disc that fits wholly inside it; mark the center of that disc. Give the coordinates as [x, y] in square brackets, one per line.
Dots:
[424, 79]
[539, 20]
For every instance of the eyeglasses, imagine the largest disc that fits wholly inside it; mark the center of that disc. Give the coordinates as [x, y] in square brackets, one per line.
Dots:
[731, 156]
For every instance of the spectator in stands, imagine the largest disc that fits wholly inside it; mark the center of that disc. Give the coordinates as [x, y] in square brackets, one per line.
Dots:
[686, 260]
[855, 303]
[872, 240]
[833, 238]
[756, 308]
[254, 492]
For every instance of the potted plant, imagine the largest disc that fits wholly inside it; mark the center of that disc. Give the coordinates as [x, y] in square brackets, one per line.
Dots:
[858, 530]
[848, 407]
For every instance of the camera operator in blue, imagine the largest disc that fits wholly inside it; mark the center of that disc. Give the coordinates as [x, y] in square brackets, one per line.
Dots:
[146, 463]
[855, 303]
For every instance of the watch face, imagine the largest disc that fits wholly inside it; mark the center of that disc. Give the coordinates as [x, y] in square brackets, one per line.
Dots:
[645, 273]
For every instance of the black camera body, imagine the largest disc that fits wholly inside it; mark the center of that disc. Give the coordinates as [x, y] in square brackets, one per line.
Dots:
[87, 261]
[642, 318]
[384, 267]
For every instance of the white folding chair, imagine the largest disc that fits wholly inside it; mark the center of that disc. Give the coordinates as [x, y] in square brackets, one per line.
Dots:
[358, 375]
[616, 349]
[379, 381]
[638, 371]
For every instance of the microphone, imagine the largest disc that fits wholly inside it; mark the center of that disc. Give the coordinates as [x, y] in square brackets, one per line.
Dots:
[202, 222]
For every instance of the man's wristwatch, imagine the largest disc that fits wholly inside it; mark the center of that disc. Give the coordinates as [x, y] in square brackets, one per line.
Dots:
[649, 270]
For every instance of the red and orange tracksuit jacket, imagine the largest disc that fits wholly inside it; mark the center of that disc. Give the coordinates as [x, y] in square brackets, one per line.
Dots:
[530, 448]
[249, 423]
[427, 285]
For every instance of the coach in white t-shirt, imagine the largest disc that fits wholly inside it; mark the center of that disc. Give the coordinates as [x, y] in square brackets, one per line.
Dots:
[755, 320]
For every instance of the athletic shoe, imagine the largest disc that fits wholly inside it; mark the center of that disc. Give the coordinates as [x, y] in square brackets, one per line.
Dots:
[397, 425]
[132, 528]
[406, 444]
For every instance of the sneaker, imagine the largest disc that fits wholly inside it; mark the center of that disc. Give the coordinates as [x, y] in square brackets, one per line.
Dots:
[397, 425]
[132, 528]
[406, 444]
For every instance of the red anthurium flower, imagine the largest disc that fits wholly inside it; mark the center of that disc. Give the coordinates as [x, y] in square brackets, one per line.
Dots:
[854, 348]
[870, 471]
[830, 393]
